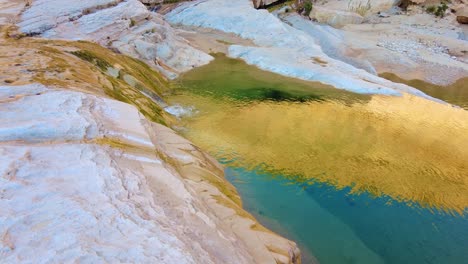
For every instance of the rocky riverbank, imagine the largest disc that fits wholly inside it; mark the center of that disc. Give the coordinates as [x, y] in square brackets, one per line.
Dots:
[90, 170]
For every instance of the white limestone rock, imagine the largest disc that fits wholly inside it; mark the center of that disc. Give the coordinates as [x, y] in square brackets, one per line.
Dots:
[331, 40]
[86, 179]
[126, 25]
[412, 47]
[43, 15]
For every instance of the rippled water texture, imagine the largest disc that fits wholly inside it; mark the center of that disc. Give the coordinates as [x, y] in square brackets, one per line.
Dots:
[407, 148]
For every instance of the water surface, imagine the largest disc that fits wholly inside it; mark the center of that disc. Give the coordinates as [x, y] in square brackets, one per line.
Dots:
[350, 169]
[455, 93]
[336, 227]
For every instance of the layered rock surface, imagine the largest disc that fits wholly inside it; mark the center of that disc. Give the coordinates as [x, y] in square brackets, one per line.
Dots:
[89, 179]
[125, 25]
[86, 178]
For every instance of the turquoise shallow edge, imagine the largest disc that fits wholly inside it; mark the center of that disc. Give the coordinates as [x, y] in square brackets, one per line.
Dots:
[336, 227]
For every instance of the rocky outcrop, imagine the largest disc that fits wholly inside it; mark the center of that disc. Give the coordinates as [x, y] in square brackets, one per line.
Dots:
[335, 18]
[263, 3]
[89, 179]
[462, 19]
[126, 26]
[462, 15]
[415, 47]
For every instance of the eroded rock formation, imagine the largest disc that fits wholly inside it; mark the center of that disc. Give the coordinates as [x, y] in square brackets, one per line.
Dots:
[127, 26]
[90, 179]
[87, 178]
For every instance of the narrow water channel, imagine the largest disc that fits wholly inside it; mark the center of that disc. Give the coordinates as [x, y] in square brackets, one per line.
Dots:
[352, 178]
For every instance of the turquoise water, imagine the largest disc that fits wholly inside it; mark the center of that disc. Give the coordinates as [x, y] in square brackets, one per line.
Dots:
[338, 228]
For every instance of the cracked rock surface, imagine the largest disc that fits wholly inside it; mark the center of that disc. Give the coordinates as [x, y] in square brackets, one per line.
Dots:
[89, 179]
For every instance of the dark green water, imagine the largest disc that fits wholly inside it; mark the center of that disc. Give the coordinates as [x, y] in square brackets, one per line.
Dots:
[233, 79]
[389, 174]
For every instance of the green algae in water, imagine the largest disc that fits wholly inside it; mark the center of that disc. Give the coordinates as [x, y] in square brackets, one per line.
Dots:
[233, 79]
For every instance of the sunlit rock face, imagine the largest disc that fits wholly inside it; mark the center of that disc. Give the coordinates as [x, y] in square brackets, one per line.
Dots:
[127, 26]
[89, 179]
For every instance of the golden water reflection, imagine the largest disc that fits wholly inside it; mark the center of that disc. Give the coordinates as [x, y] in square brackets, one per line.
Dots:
[408, 148]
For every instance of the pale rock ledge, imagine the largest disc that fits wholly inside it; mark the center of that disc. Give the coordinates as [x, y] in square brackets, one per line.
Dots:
[89, 179]
[125, 25]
